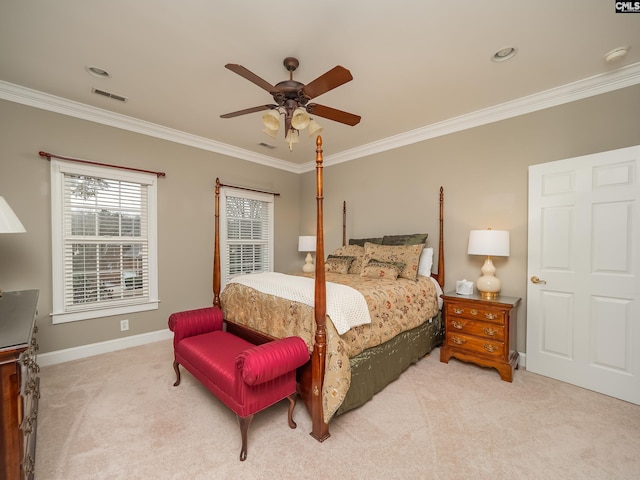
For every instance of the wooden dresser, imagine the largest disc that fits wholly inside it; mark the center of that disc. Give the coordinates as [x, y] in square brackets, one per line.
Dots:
[19, 383]
[481, 331]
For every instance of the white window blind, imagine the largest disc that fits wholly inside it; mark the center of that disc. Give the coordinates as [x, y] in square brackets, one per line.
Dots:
[104, 243]
[246, 233]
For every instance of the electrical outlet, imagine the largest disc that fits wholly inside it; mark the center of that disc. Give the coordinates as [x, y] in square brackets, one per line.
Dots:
[124, 325]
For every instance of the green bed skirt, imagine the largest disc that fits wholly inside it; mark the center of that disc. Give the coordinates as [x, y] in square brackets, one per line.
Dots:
[376, 367]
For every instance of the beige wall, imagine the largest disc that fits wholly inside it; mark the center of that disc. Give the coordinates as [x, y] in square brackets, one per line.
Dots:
[484, 175]
[185, 214]
[483, 171]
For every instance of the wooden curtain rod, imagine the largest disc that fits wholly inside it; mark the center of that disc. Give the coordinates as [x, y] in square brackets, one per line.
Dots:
[49, 156]
[219, 184]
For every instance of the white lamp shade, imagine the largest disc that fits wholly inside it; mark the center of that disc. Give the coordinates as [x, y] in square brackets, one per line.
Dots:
[307, 243]
[314, 128]
[271, 119]
[271, 133]
[300, 119]
[292, 137]
[9, 222]
[494, 243]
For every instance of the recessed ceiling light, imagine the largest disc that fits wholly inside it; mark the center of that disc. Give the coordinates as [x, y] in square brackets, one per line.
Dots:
[504, 54]
[98, 72]
[616, 54]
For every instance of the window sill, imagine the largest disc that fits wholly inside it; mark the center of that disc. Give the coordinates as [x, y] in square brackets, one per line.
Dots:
[63, 317]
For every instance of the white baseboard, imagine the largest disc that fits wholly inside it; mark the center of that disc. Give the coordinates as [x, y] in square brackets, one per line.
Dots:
[75, 353]
[523, 360]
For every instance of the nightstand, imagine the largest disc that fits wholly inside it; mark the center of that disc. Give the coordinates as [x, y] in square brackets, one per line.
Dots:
[20, 384]
[481, 331]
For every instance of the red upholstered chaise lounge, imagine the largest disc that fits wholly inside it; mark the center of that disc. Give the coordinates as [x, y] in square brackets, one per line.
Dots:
[245, 377]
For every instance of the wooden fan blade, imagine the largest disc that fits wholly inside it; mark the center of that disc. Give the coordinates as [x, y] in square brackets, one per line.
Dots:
[248, 110]
[333, 78]
[252, 77]
[333, 114]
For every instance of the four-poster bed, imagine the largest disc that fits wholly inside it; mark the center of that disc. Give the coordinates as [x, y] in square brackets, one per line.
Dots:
[338, 377]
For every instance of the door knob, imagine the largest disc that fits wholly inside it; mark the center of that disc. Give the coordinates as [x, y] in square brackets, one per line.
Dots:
[536, 280]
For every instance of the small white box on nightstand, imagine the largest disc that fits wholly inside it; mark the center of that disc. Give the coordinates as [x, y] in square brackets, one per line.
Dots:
[464, 287]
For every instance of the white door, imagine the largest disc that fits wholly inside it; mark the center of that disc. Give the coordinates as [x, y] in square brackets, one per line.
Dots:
[583, 315]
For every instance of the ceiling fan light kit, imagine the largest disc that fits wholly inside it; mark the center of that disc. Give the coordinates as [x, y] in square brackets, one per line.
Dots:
[292, 99]
[314, 128]
[292, 137]
[270, 132]
[300, 120]
[271, 120]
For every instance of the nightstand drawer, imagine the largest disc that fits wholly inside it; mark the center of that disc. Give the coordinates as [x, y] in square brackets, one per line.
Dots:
[475, 313]
[475, 344]
[486, 330]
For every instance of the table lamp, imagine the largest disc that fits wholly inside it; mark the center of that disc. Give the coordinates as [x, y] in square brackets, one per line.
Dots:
[307, 243]
[492, 243]
[9, 222]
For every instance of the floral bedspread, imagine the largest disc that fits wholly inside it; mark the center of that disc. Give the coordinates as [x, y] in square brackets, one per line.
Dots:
[394, 305]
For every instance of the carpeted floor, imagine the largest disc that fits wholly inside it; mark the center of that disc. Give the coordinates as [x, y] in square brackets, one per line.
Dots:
[117, 416]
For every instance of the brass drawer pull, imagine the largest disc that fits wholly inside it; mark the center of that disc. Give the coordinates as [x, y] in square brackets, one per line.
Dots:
[490, 331]
[457, 325]
[20, 413]
[458, 311]
[473, 311]
[458, 340]
[490, 316]
[490, 348]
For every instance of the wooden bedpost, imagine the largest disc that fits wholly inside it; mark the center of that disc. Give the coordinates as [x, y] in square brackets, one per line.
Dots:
[320, 429]
[344, 223]
[441, 242]
[216, 249]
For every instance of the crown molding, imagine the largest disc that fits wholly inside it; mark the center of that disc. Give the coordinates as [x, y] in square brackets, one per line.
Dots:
[52, 103]
[588, 87]
[595, 85]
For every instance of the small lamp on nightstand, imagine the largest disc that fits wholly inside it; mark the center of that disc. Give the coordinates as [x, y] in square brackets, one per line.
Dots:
[307, 243]
[492, 243]
[9, 222]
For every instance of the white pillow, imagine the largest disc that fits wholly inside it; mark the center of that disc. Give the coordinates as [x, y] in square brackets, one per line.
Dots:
[426, 262]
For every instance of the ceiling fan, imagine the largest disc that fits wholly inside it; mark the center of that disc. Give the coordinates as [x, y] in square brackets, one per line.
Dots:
[292, 97]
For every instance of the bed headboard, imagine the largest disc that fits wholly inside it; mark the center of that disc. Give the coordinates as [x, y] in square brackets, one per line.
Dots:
[439, 275]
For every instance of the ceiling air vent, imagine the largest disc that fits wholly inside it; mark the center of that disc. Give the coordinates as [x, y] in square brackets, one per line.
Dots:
[109, 95]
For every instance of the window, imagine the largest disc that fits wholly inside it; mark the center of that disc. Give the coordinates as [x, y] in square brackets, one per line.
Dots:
[104, 241]
[246, 233]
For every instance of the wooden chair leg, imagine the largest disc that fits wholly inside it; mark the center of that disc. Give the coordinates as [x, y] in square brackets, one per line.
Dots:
[176, 367]
[244, 429]
[292, 405]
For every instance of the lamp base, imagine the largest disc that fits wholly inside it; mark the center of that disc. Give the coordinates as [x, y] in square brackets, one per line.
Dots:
[489, 295]
[488, 284]
[309, 267]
